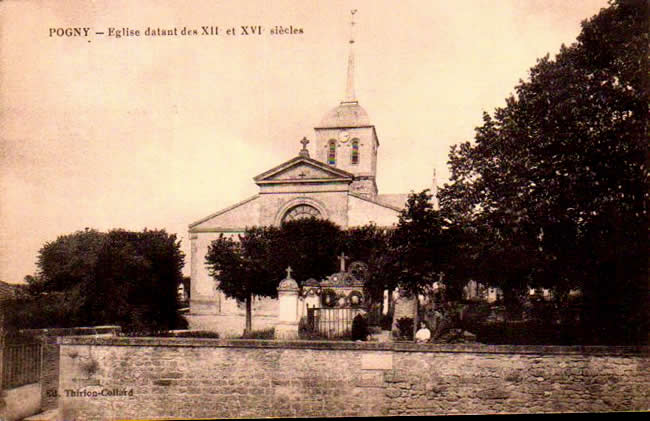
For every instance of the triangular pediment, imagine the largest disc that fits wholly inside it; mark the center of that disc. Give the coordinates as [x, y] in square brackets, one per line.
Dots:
[302, 169]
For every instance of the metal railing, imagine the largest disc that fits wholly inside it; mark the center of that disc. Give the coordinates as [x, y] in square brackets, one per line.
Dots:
[21, 364]
[332, 322]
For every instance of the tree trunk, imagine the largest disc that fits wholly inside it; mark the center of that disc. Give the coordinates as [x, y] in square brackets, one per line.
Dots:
[416, 315]
[249, 314]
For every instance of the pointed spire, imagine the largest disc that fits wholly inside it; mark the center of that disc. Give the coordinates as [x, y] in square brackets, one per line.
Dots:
[350, 96]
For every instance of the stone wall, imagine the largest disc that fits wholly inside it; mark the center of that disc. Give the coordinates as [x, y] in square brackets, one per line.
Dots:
[50, 356]
[21, 402]
[191, 378]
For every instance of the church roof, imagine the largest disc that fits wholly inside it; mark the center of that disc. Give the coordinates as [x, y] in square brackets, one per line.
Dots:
[376, 201]
[346, 114]
[222, 211]
[319, 172]
[394, 200]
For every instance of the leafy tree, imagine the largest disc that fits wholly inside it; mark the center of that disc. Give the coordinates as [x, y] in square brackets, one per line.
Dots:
[139, 273]
[421, 247]
[553, 190]
[245, 268]
[69, 261]
[419, 244]
[370, 244]
[254, 264]
[90, 277]
[310, 246]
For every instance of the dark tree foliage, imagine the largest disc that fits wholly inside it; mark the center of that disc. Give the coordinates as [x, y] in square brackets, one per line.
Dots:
[310, 247]
[245, 267]
[94, 278]
[253, 264]
[420, 244]
[426, 249]
[68, 262]
[553, 191]
[370, 244]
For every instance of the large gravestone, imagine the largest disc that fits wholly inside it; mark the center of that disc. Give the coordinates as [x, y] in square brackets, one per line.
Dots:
[287, 325]
[404, 307]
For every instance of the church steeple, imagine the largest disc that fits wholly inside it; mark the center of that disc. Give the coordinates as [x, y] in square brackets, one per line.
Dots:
[345, 137]
[350, 95]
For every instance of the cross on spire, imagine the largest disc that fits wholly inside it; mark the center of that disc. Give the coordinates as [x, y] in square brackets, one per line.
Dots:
[352, 23]
[342, 258]
[289, 270]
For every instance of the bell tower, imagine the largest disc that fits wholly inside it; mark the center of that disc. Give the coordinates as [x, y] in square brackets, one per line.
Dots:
[345, 138]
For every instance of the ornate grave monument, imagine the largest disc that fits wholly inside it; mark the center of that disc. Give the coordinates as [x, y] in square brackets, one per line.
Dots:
[327, 306]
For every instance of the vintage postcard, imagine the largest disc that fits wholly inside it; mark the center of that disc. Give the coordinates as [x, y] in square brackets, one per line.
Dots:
[182, 123]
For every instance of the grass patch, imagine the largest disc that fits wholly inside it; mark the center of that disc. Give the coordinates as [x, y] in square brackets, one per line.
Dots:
[259, 334]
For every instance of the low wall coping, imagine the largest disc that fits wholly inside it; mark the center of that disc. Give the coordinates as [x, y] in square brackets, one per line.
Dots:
[73, 331]
[352, 346]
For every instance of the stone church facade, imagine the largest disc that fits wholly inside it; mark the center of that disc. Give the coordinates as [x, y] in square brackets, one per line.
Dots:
[338, 183]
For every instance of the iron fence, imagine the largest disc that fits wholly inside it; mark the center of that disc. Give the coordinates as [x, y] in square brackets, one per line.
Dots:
[332, 322]
[21, 364]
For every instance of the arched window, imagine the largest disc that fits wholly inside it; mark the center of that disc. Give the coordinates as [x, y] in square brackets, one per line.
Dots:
[331, 152]
[301, 212]
[354, 157]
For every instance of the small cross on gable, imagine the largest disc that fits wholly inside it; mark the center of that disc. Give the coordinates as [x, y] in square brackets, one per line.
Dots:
[304, 152]
[289, 270]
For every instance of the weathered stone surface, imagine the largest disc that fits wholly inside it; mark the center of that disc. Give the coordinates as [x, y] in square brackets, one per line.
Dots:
[377, 361]
[192, 378]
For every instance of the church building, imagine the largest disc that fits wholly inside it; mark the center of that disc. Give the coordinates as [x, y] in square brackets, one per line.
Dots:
[338, 183]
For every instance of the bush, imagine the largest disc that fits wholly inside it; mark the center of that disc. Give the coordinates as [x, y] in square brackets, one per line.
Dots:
[259, 334]
[532, 332]
[359, 328]
[405, 328]
[386, 322]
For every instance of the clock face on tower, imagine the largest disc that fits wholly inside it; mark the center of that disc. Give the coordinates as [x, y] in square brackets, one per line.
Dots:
[344, 137]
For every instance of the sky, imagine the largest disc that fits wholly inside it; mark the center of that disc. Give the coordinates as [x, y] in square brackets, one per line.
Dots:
[159, 131]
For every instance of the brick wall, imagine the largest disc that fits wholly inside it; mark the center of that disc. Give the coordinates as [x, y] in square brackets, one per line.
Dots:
[191, 378]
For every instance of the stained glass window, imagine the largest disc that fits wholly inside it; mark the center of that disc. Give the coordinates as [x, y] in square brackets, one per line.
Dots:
[331, 153]
[355, 151]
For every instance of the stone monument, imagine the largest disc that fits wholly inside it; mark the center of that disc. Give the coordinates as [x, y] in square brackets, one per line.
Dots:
[287, 325]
